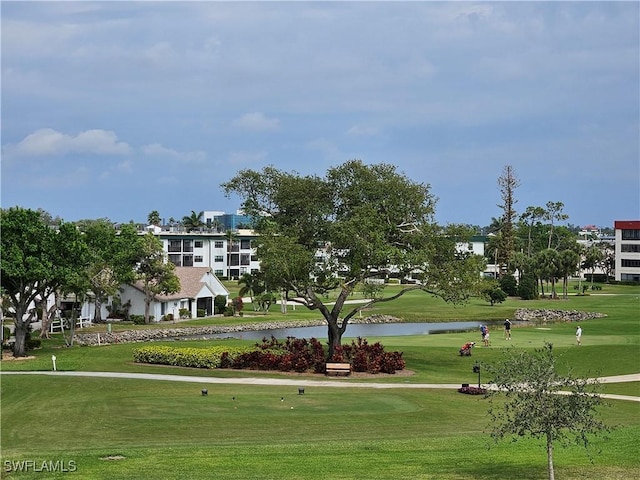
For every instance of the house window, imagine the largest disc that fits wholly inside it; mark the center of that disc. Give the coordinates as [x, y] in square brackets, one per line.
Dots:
[245, 244]
[175, 259]
[219, 244]
[219, 273]
[197, 244]
[197, 259]
[175, 245]
[245, 259]
[187, 246]
[218, 259]
[187, 260]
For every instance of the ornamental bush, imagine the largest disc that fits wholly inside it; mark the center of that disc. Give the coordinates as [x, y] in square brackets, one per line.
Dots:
[292, 355]
[210, 357]
[364, 357]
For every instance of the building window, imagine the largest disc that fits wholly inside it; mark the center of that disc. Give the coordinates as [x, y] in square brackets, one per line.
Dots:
[218, 258]
[187, 260]
[219, 244]
[630, 263]
[176, 260]
[235, 260]
[197, 259]
[175, 245]
[245, 259]
[245, 244]
[235, 246]
[197, 244]
[630, 277]
[187, 245]
[630, 234]
[219, 273]
[630, 248]
[254, 258]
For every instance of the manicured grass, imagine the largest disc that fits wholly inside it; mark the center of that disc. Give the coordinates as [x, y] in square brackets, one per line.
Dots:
[165, 430]
[168, 430]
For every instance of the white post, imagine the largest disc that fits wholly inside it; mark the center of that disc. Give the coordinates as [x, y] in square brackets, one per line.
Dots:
[53, 359]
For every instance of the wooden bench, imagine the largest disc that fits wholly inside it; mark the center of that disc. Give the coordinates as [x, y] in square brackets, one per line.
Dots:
[337, 369]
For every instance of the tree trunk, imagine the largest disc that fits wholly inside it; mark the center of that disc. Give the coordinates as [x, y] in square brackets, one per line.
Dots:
[334, 336]
[147, 308]
[46, 318]
[550, 456]
[20, 333]
[97, 314]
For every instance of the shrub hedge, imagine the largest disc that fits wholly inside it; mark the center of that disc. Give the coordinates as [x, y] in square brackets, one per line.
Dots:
[209, 357]
[294, 354]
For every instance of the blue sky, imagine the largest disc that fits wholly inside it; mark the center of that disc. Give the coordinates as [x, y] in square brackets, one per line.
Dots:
[116, 109]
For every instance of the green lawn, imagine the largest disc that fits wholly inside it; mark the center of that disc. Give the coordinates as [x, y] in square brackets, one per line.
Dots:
[124, 428]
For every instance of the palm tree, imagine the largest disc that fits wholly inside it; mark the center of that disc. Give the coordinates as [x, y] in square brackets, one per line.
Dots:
[193, 221]
[153, 218]
[252, 284]
[568, 262]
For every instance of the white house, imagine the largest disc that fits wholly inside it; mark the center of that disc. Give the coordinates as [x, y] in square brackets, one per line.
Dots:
[198, 287]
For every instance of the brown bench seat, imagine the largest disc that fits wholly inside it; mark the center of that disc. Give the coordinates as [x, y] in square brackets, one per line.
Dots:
[338, 369]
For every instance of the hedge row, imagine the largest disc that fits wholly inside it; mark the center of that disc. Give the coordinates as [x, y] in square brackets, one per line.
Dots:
[209, 357]
[294, 354]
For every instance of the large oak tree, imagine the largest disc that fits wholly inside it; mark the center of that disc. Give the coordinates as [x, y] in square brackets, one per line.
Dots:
[36, 260]
[355, 223]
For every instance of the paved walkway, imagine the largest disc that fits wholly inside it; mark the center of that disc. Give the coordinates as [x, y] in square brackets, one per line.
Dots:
[342, 383]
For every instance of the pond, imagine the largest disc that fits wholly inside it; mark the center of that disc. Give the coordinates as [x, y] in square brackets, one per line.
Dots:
[354, 330]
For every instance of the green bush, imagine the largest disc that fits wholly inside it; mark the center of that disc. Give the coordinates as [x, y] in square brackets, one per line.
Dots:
[209, 357]
[31, 343]
[509, 285]
[528, 288]
[184, 313]
[137, 319]
[219, 303]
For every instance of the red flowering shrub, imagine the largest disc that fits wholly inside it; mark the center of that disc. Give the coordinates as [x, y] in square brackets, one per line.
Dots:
[472, 390]
[364, 357]
[302, 355]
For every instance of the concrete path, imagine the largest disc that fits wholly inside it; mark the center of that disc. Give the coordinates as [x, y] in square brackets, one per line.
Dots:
[342, 383]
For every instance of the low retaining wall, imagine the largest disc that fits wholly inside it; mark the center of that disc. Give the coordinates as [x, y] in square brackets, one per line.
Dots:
[549, 316]
[154, 334]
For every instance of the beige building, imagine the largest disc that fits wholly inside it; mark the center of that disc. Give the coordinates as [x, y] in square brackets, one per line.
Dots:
[627, 250]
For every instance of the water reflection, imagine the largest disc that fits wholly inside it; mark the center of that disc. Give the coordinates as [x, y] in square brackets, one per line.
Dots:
[353, 331]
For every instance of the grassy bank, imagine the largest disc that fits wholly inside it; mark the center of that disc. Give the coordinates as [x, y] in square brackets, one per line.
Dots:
[124, 428]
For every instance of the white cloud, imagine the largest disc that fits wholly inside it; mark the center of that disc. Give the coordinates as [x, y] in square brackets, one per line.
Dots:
[47, 141]
[256, 121]
[360, 131]
[157, 150]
